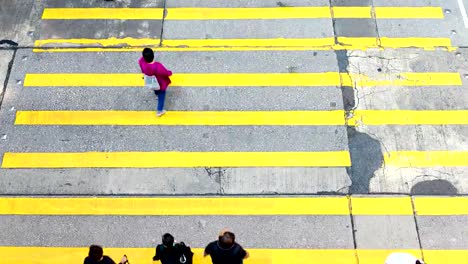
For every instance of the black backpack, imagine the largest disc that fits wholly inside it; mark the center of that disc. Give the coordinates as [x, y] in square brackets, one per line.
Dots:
[182, 254]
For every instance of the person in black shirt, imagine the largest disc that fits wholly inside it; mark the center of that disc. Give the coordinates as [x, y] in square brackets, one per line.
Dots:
[96, 256]
[226, 250]
[166, 252]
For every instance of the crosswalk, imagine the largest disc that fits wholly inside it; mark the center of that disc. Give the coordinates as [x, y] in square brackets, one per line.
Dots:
[65, 209]
[257, 91]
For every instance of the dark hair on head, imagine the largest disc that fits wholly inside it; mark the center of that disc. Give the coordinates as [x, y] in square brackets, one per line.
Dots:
[168, 240]
[226, 241]
[95, 253]
[418, 262]
[148, 55]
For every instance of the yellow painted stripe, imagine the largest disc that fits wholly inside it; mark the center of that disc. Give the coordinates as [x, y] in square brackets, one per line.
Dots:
[187, 118]
[381, 206]
[47, 255]
[232, 206]
[414, 42]
[441, 205]
[242, 13]
[445, 256]
[174, 206]
[245, 79]
[409, 117]
[409, 12]
[422, 159]
[175, 159]
[283, 42]
[131, 44]
[186, 79]
[241, 118]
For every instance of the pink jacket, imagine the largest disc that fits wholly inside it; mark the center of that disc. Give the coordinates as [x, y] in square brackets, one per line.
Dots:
[158, 70]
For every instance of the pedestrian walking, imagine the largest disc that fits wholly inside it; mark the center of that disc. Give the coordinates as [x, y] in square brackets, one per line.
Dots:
[155, 73]
[225, 250]
[402, 258]
[96, 256]
[170, 252]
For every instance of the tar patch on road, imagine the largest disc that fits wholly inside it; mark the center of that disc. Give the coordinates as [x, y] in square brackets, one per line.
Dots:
[365, 151]
[434, 187]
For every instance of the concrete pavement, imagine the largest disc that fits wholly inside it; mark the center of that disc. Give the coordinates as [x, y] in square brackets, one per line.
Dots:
[368, 172]
[345, 97]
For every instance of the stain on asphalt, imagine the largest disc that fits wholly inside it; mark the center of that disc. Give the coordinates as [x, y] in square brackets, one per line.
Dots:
[434, 187]
[366, 158]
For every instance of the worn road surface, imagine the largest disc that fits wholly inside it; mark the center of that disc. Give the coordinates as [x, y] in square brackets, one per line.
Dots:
[324, 131]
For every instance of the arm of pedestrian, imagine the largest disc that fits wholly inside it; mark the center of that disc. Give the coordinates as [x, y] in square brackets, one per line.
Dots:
[165, 71]
[247, 255]
[157, 255]
[124, 260]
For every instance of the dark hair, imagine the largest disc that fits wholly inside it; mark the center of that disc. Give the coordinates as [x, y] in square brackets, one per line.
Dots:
[227, 240]
[148, 55]
[418, 262]
[95, 253]
[168, 240]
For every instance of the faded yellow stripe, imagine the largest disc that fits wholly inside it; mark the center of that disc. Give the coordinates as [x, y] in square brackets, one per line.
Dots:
[47, 255]
[185, 79]
[381, 206]
[421, 159]
[441, 206]
[187, 118]
[245, 79]
[409, 79]
[409, 12]
[175, 159]
[352, 12]
[409, 117]
[126, 44]
[174, 206]
[248, 13]
[277, 42]
[242, 13]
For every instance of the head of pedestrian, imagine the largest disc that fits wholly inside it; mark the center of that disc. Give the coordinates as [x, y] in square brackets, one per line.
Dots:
[402, 258]
[96, 253]
[227, 240]
[168, 240]
[148, 55]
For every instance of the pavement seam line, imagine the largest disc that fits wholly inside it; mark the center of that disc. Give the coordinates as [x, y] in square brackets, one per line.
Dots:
[7, 77]
[417, 227]
[162, 23]
[353, 230]
[374, 17]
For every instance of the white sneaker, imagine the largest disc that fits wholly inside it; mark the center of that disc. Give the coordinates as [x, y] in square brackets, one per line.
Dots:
[160, 113]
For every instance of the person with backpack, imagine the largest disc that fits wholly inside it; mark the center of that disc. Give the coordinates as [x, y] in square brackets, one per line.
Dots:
[225, 250]
[170, 252]
[155, 72]
[96, 256]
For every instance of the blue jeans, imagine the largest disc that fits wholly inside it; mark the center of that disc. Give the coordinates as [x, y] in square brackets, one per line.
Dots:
[161, 97]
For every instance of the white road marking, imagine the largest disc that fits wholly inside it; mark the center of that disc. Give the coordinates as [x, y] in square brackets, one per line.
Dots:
[463, 12]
